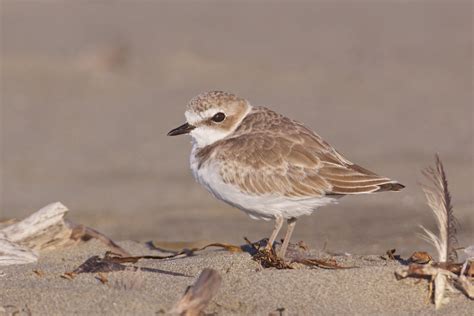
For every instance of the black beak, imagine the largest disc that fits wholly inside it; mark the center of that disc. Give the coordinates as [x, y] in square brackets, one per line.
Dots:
[183, 129]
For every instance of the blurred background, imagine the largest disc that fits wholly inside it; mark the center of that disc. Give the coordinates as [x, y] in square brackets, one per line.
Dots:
[89, 90]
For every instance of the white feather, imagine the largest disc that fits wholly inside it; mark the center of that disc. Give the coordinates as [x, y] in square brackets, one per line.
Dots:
[264, 207]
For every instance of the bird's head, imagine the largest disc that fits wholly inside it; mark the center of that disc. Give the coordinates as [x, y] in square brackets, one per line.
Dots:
[212, 116]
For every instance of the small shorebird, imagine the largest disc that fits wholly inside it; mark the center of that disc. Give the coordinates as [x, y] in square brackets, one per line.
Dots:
[266, 164]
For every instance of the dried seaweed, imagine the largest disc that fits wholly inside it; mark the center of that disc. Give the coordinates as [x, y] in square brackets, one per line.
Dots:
[323, 263]
[96, 264]
[269, 259]
[112, 262]
[190, 247]
[420, 257]
[84, 233]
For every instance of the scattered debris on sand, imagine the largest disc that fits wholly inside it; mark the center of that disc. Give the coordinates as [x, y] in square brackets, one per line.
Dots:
[45, 230]
[445, 272]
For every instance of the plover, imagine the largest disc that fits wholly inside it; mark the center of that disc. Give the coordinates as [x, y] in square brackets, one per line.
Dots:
[267, 165]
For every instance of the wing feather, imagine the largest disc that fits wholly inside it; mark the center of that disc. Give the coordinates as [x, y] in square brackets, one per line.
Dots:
[283, 157]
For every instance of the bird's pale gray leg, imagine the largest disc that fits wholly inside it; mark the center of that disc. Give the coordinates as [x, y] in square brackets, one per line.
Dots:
[286, 241]
[276, 229]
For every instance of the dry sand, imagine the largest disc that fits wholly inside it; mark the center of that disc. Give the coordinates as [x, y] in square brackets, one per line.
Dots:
[90, 89]
[370, 289]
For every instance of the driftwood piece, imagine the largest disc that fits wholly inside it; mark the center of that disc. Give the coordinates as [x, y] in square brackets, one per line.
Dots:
[11, 253]
[417, 270]
[197, 296]
[43, 230]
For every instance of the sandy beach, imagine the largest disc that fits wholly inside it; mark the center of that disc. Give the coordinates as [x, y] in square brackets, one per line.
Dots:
[89, 90]
[370, 289]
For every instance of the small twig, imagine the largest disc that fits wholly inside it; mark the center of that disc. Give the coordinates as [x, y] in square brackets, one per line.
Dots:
[324, 264]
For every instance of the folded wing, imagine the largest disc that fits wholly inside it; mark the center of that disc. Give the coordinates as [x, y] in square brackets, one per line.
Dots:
[293, 161]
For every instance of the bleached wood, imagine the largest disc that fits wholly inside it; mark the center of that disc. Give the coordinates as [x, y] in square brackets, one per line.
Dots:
[45, 229]
[21, 241]
[11, 253]
[36, 223]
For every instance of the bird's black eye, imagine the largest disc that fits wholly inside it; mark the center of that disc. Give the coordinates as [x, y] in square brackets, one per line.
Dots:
[218, 117]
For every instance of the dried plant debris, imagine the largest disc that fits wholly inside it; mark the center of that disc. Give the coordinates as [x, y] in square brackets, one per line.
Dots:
[83, 233]
[68, 275]
[297, 255]
[391, 255]
[323, 263]
[431, 272]
[445, 272]
[96, 264]
[188, 248]
[39, 273]
[470, 271]
[420, 257]
[102, 277]
[269, 259]
[112, 262]
[197, 296]
[459, 269]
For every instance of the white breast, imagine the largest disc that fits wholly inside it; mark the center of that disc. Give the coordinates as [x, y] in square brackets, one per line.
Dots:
[256, 206]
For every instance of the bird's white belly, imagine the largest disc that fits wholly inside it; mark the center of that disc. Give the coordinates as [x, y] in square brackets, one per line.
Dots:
[256, 206]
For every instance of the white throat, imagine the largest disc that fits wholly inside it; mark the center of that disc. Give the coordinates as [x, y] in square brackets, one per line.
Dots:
[205, 135]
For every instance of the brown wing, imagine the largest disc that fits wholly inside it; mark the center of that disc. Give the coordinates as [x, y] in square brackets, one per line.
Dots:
[353, 179]
[288, 159]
